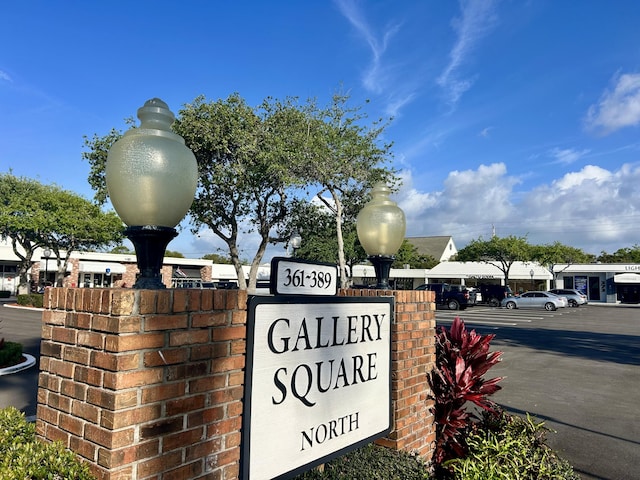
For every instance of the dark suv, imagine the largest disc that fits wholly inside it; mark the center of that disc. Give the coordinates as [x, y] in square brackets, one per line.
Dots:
[494, 294]
[454, 297]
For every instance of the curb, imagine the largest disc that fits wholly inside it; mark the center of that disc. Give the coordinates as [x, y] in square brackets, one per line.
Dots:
[28, 363]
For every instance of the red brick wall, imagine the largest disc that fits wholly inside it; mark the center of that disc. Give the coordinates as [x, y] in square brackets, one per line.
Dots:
[148, 384]
[412, 357]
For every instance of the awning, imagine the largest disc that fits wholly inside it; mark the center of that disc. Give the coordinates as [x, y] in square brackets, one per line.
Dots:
[102, 267]
[52, 265]
[627, 278]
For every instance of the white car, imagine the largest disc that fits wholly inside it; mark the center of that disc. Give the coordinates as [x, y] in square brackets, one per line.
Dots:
[575, 297]
[535, 299]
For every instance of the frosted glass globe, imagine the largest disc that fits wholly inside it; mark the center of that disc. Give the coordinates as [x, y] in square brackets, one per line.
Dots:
[151, 175]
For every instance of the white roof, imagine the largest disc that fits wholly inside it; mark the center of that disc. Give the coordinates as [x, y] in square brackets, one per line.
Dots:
[519, 270]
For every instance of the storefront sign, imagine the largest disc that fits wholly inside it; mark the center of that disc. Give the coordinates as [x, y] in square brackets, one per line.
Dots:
[318, 381]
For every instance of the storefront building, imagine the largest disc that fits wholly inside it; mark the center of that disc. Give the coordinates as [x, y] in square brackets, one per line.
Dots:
[608, 283]
[605, 283]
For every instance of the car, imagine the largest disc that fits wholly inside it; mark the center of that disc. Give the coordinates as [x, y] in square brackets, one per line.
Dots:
[493, 294]
[575, 297]
[534, 299]
[451, 296]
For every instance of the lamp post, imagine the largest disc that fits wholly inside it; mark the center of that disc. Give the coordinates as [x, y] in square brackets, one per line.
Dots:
[381, 226]
[46, 254]
[151, 177]
[531, 272]
[295, 240]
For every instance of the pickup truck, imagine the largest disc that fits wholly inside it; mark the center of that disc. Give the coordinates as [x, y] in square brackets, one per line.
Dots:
[454, 297]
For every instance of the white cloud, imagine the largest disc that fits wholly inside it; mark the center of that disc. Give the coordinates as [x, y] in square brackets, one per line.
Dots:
[567, 155]
[376, 77]
[477, 19]
[484, 133]
[594, 209]
[465, 208]
[5, 76]
[617, 108]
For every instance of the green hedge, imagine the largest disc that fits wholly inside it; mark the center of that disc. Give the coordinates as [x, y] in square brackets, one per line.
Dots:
[31, 300]
[23, 456]
[10, 353]
[373, 463]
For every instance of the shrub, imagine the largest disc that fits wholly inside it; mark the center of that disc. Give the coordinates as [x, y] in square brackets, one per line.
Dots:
[462, 358]
[506, 446]
[22, 456]
[372, 462]
[30, 300]
[10, 353]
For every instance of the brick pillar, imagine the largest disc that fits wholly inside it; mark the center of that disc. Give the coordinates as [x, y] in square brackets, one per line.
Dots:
[413, 356]
[145, 384]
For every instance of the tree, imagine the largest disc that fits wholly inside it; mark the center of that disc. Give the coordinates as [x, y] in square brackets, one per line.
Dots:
[173, 253]
[343, 159]
[409, 255]
[98, 149]
[317, 225]
[244, 159]
[502, 252]
[217, 258]
[622, 255]
[35, 216]
[76, 224]
[21, 220]
[552, 255]
[122, 250]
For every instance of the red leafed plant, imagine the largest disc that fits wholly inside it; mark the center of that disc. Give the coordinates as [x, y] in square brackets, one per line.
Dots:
[462, 358]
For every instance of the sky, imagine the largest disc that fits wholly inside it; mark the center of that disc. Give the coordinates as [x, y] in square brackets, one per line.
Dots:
[509, 116]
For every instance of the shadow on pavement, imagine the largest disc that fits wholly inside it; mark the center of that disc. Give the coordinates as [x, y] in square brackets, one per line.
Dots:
[623, 349]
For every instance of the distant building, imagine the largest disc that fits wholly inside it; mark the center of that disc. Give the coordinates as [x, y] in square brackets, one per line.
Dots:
[442, 248]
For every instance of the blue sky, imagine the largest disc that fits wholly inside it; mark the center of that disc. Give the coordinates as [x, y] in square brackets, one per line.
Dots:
[518, 116]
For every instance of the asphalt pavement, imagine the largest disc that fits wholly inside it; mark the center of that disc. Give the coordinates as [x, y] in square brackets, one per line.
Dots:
[23, 325]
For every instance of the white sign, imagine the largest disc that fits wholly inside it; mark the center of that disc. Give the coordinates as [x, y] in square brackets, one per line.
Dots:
[318, 381]
[301, 277]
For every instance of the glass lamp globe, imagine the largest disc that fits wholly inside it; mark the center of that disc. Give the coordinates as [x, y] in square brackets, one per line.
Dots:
[151, 175]
[381, 224]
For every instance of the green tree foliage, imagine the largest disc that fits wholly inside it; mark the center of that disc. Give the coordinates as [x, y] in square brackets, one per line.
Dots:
[244, 157]
[317, 226]
[502, 252]
[76, 224]
[217, 258]
[409, 255]
[552, 255]
[122, 250]
[35, 216]
[96, 155]
[21, 220]
[622, 255]
[173, 253]
[343, 158]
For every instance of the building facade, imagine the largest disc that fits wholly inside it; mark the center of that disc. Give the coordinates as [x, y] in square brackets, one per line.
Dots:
[605, 283]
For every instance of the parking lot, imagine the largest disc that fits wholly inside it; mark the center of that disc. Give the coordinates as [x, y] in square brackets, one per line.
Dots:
[576, 369]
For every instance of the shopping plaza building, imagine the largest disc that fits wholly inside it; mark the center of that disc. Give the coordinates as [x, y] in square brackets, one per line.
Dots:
[604, 283]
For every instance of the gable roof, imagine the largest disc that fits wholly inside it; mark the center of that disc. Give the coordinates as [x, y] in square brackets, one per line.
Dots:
[437, 246]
